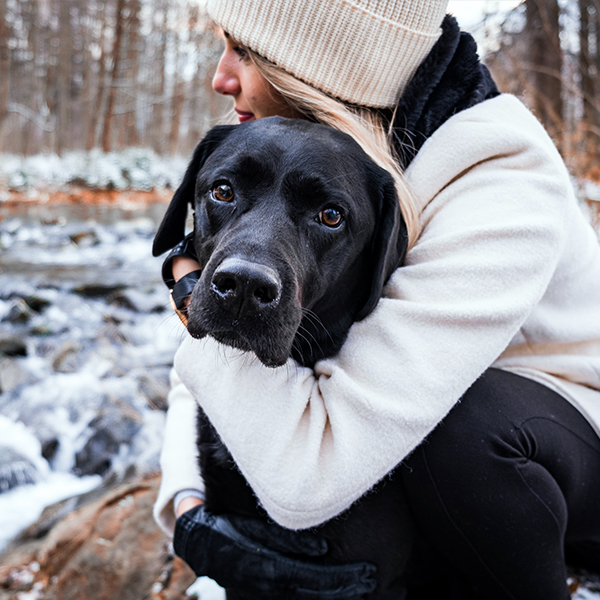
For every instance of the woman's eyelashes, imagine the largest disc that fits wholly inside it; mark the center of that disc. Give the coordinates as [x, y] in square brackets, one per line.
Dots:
[242, 52]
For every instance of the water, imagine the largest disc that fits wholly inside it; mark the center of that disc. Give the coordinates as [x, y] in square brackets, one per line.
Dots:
[87, 339]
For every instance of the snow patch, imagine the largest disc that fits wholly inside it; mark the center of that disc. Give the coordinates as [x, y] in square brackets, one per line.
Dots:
[133, 168]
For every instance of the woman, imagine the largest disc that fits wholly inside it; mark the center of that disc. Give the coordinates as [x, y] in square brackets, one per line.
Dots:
[479, 370]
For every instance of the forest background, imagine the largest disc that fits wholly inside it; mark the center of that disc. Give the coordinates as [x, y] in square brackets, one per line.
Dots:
[112, 74]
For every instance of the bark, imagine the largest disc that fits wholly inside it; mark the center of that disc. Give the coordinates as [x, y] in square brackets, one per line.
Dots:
[97, 107]
[132, 137]
[158, 109]
[543, 30]
[588, 61]
[4, 60]
[64, 75]
[116, 64]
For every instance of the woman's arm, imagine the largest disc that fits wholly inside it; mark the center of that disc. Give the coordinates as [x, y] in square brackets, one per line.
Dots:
[311, 443]
[179, 457]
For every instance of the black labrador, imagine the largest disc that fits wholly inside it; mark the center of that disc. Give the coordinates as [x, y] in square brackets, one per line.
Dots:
[296, 230]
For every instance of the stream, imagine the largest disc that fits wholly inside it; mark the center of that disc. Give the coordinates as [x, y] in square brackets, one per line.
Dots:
[87, 339]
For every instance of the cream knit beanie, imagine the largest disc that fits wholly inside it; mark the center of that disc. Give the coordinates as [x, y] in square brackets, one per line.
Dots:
[360, 51]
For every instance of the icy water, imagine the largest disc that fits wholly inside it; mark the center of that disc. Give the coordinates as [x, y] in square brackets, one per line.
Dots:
[86, 343]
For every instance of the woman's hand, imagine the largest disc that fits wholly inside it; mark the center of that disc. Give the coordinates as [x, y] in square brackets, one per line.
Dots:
[219, 547]
[187, 504]
[182, 265]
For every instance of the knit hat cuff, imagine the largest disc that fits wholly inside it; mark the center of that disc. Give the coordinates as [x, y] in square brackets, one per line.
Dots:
[352, 50]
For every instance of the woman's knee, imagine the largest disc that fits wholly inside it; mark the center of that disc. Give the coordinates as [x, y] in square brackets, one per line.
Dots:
[480, 421]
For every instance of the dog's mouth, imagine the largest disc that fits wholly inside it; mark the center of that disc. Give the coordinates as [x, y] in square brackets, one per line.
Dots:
[249, 306]
[270, 350]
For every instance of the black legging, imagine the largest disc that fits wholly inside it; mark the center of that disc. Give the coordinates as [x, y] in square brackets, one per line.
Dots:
[504, 492]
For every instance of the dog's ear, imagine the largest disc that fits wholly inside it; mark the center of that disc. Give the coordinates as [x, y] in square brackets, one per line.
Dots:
[390, 242]
[172, 228]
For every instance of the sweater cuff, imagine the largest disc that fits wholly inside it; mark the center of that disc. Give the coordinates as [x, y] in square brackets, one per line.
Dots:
[183, 494]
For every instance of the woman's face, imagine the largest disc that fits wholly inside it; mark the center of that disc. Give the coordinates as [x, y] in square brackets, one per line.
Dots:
[237, 76]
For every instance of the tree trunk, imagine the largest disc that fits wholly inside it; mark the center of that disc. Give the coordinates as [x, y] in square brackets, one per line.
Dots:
[4, 61]
[158, 109]
[97, 108]
[112, 92]
[133, 59]
[64, 75]
[546, 64]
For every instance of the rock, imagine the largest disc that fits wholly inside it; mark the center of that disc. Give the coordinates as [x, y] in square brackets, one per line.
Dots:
[49, 448]
[12, 346]
[19, 312]
[155, 391]
[15, 469]
[36, 303]
[109, 548]
[85, 239]
[112, 428]
[64, 360]
[139, 301]
[97, 290]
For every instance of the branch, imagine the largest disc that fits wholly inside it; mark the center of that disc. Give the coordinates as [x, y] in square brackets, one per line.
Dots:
[32, 116]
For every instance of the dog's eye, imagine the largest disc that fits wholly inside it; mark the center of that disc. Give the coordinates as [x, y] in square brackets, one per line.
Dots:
[331, 217]
[222, 192]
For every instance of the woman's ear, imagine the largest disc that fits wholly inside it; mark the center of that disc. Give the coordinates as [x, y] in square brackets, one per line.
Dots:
[172, 228]
[390, 241]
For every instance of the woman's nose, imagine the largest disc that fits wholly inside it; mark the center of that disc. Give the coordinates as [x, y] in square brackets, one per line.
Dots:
[226, 81]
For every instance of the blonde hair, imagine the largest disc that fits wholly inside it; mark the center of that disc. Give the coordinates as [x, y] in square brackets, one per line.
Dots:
[365, 125]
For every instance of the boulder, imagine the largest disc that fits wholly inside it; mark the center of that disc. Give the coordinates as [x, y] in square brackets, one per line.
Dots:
[108, 548]
[15, 469]
[11, 345]
[112, 429]
[19, 312]
[97, 290]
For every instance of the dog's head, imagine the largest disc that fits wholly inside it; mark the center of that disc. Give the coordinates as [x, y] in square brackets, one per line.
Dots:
[296, 230]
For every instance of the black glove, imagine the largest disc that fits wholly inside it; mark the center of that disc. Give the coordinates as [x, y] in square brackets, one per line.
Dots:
[184, 248]
[184, 287]
[212, 546]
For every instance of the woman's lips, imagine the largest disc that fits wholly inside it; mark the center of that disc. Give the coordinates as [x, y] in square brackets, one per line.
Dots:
[244, 116]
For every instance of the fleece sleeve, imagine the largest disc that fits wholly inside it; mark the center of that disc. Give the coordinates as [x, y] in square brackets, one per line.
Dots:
[310, 443]
[179, 455]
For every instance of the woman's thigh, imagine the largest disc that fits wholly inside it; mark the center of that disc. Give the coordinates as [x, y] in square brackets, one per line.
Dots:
[507, 480]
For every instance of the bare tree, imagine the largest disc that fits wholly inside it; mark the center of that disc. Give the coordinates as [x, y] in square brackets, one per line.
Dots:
[4, 61]
[543, 31]
[589, 61]
[109, 114]
[133, 60]
[75, 74]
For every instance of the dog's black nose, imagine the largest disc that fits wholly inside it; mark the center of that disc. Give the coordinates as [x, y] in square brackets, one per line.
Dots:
[245, 288]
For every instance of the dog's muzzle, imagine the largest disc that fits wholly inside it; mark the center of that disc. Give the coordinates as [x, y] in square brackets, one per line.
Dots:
[244, 288]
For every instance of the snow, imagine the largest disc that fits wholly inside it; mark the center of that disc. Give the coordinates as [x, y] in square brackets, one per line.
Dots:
[86, 356]
[134, 168]
[23, 505]
[16, 436]
[205, 588]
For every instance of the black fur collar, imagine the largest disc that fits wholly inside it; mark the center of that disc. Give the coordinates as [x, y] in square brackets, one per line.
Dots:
[449, 80]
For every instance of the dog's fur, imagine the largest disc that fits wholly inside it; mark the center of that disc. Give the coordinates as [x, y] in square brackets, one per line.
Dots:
[278, 281]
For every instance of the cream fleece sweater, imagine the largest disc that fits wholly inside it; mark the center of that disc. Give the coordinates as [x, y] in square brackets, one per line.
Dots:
[506, 273]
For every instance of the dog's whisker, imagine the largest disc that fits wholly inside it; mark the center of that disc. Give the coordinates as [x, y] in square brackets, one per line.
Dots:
[315, 319]
[307, 340]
